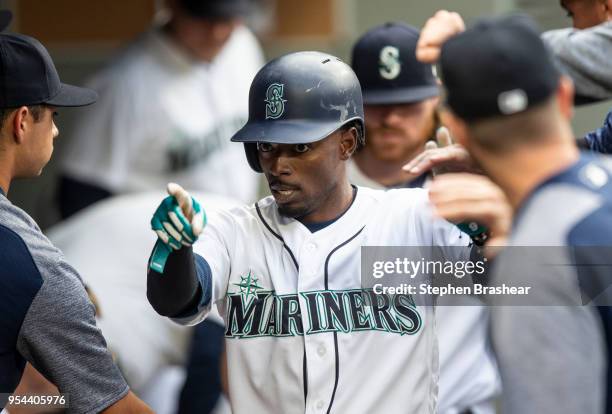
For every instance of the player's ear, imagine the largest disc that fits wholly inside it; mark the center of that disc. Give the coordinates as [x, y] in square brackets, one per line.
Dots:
[19, 123]
[565, 97]
[348, 142]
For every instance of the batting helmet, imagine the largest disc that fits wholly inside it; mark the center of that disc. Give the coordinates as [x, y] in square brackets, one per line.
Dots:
[300, 98]
[384, 60]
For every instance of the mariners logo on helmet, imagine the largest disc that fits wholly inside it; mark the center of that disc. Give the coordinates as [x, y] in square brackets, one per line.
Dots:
[275, 104]
[389, 65]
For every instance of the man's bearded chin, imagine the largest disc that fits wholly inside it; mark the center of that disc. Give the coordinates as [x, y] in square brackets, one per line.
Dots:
[290, 212]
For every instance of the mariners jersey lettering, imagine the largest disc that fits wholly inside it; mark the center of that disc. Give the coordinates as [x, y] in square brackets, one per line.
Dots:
[301, 334]
[251, 314]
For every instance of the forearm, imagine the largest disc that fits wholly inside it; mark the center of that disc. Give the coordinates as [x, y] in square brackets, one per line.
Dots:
[582, 54]
[177, 290]
[127, 405]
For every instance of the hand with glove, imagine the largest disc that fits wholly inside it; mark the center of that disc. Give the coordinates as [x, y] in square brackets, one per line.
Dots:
[178, 221]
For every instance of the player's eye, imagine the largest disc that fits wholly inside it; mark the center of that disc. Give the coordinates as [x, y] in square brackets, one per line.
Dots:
[264, 147]
[55, 114]
[301, 148]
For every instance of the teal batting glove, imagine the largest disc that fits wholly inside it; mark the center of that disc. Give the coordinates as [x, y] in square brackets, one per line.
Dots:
[477, 232]
[178, 221]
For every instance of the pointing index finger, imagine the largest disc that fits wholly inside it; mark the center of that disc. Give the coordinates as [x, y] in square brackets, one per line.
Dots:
[182, 198]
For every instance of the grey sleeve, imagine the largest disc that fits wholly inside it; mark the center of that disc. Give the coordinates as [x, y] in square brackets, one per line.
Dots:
[59, 337]
[584, 56]
[551, 359]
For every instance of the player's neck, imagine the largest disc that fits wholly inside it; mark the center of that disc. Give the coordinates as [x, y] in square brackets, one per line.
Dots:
[6, 170]
[519, 174]
[384, 172]
[334, 206]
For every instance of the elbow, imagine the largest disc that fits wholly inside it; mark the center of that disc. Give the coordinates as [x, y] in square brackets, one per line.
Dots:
[160, 297]
[160, 306]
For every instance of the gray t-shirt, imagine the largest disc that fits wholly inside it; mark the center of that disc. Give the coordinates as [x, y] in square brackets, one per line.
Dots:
[585, 56]
[552, 350]
[48, 320]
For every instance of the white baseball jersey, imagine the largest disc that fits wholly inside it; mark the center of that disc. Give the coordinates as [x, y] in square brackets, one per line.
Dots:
[469, 377]
[164, 117]
[298, 336]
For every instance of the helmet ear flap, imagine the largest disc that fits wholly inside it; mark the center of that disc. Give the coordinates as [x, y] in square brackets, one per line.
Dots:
[250, 148]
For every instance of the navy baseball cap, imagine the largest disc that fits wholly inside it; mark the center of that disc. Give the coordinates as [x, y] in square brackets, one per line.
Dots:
[216, 9]
[385, 62]
[498, 67]
[28, 76]
[5, 19]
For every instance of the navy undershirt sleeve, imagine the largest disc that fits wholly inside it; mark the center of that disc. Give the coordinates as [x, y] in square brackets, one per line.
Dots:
[600, 140]
[20, 281]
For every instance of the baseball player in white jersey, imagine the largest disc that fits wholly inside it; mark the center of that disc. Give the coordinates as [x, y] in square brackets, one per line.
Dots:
[183, 88]
[302, 335]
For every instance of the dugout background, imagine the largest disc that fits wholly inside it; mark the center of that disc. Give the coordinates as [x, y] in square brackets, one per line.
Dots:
[82, 35]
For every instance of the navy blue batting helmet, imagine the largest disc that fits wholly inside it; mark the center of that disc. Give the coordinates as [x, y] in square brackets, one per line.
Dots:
[300, 98]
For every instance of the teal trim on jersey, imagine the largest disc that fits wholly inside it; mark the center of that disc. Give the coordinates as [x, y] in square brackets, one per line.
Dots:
[335, 311]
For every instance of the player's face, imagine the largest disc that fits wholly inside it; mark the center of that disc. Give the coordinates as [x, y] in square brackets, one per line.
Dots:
[585, 13]
[303, 178]
[38, 142]
[399, 132]
[203, 38]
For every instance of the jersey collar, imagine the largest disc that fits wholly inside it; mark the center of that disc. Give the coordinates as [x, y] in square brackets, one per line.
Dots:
[568, 175]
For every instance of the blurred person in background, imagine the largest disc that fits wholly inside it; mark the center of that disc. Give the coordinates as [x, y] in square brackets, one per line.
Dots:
[400, 97]
[168, 105]
[151, 351]
[518, 131]
[583, 52]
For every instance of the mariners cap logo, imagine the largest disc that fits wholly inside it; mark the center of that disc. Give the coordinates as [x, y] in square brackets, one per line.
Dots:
[275, 104]
[389, 65]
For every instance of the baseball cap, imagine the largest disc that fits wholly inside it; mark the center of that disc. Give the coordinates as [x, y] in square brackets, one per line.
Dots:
[385, 62]
[5, 19]
[499, 66]
[28, 76]
[216, 8]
